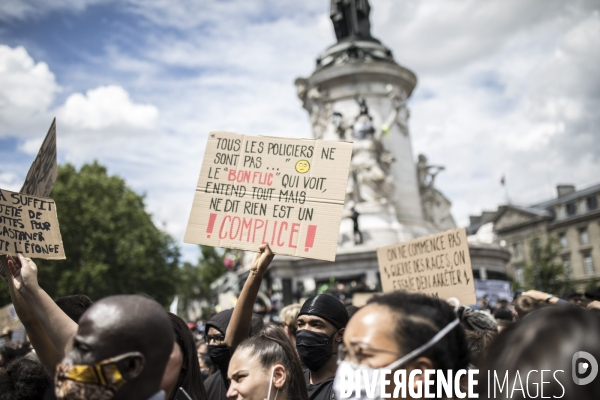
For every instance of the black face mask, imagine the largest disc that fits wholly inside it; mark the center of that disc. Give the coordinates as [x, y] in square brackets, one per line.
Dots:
[314, 348]
[204, 373]
[220, 356]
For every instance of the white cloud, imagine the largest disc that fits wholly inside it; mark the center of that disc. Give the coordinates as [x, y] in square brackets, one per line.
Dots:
[23, 9]
[27, 88]
[504, 88]
[106, 107]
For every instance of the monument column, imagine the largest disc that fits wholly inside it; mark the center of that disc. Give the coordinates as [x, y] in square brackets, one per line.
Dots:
[358, 93]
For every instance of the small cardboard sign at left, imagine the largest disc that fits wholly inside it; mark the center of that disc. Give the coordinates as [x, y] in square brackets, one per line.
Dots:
[29, 226]
[42, 173]
[9, 318]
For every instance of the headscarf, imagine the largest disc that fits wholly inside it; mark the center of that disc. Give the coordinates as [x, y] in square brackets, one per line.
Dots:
[328, 308]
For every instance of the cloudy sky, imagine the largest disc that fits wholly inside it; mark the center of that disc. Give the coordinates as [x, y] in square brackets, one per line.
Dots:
[505, 88]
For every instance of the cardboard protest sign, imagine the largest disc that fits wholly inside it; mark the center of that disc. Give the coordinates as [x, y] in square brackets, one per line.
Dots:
[29, 225]
[9, 318]
[288, 193]
[42, 173]
[360, 299]
[438, 265]
[495, 290]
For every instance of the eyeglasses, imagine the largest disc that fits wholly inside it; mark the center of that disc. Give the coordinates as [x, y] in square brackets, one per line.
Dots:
[214, 339]
[357, 353]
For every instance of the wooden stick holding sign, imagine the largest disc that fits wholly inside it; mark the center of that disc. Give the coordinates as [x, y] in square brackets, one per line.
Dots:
[255, 190]
[438, 265]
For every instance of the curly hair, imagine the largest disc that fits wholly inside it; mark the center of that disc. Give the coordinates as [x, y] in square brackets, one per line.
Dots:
[24, 379]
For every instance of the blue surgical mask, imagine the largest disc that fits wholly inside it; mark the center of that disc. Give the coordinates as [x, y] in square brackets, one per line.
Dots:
[347, 369]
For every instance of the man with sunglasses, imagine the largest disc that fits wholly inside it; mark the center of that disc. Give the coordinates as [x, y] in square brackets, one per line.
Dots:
[321, 323]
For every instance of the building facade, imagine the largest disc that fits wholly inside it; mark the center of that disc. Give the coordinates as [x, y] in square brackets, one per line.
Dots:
[573, 218]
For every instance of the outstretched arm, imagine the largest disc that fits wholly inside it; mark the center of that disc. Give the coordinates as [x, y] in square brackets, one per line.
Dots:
[40, 341]
[547, 297]
[57, 325]
[241, 319]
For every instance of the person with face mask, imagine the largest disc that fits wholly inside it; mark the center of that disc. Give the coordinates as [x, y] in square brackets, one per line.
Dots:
[220, 353]
[228, 328]
[401, 331]
[119, 350]
[321, 323]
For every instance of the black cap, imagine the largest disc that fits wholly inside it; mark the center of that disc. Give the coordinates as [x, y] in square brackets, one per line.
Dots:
[326, 307]
[594, 295]
[504, 314]
[220, 322]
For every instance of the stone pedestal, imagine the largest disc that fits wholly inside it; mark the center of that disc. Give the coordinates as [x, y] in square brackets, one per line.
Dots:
[362, 72]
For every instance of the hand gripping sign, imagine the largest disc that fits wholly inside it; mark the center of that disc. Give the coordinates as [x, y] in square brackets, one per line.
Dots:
[288, 193]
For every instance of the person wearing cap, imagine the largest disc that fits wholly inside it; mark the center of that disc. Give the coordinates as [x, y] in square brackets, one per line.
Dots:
[220, 353]
[321, 324]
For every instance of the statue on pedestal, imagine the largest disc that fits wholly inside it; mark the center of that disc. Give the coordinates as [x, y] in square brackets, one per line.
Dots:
[426, 173]
[436, 207]
[370, 181]
[351, 20]
[317, 104]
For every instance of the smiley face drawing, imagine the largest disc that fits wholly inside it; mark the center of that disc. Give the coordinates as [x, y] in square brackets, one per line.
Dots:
[302, 166]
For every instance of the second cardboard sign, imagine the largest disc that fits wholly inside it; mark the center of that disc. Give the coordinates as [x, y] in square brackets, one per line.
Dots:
[437, 265]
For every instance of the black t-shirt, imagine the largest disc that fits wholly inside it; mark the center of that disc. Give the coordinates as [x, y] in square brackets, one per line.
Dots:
[216, 387]
[320, 391]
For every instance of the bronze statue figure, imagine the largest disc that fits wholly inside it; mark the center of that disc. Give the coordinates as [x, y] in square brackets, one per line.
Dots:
[351, 20]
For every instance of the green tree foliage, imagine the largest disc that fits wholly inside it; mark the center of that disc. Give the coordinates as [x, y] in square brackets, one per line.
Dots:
[112, 245]
[591, 285]
[545, 271]
[196, 279]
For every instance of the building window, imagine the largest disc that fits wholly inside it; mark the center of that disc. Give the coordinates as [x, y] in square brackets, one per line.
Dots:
[567, 267]
[582, 206]
[519, 275]
[562, 238]
[560, 212]
[592, 202]
[588, 264]
[571, 208]
[515, 249]
[583, 236]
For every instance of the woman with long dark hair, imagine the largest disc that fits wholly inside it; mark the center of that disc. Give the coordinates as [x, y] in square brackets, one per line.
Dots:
[183, 368]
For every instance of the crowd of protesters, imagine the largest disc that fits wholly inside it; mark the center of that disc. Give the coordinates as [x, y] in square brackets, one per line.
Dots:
[128, 347]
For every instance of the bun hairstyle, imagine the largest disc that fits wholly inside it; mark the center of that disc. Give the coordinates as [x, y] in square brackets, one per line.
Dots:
[272, 346]
[419, 318]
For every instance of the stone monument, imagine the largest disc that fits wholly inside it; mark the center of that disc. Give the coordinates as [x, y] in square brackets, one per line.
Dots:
[358, 93]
